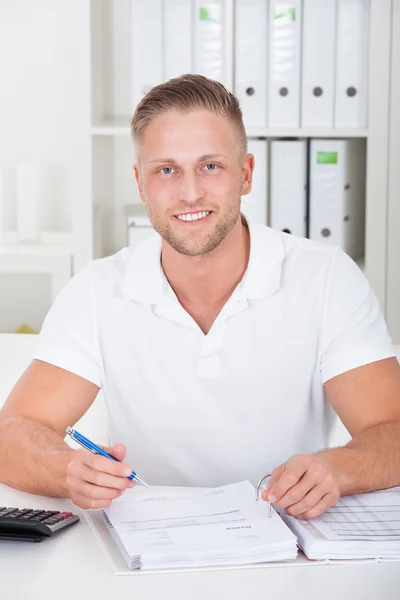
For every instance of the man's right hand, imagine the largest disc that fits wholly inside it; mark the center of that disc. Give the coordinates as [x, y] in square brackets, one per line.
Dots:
[93, 481]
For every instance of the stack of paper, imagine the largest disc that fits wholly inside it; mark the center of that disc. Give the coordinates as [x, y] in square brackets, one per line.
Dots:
[357, 527]
[222, 526]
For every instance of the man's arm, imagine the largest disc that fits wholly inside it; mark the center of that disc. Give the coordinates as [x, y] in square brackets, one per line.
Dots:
[33, 454]
[367, 400]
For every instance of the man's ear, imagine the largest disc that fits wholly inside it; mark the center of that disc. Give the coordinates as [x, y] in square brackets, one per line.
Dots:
[247, 174]
[139, 181]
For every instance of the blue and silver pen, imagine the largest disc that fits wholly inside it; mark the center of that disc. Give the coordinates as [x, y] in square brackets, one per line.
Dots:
[83, 441]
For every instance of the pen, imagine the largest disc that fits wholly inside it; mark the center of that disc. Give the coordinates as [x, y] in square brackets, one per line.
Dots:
[83, 441]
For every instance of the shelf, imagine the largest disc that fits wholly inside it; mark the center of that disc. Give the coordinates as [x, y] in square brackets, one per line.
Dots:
[35, 258]
[120, 126]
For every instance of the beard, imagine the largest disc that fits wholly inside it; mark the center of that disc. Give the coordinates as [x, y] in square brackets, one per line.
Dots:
[196, 243]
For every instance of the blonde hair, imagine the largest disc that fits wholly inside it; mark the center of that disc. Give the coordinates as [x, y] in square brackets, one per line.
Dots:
[186, 93]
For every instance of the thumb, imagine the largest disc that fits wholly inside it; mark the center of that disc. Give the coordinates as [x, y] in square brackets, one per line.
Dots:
[118, 451]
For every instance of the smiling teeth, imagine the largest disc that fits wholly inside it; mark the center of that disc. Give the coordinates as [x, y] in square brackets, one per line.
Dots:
[193, 216]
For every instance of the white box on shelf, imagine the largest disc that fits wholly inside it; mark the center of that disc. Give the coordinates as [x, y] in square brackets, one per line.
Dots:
[251, 60]
[288, 176]
[27, 202]
[209, 56]
[138, 224]
[284, 63]
[352, 63]
[1, 205]
[255, 204]
[177, 38]
[147, 47]
[318, 63]
[337, 194]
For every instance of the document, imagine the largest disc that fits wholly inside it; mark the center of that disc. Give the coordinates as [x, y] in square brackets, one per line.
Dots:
[178, 32]
[318, 73]
[352, 64]
[222, 526]
[251, 63]
[359, 526]
[284, 63]
[289, 186]
[337, 194]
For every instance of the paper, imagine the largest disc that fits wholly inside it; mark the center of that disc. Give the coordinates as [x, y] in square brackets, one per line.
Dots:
[221, 526]
[365, 516]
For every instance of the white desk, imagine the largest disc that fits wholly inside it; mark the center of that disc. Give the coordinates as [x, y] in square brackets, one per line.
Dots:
[73, 564]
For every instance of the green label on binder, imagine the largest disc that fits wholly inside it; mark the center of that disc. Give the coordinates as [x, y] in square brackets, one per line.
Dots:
[210, 14]
[327, 158]
[286, 13]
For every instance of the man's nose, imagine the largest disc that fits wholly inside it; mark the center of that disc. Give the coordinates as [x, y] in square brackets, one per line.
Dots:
[191, 189]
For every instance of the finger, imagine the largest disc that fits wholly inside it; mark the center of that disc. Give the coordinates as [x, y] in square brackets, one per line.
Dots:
[294, 469]
[88, 503]
[309, 501]
[118, 451]
[104, 464]
[275, 475]
[297, 492]
[81, 472]
[78, 487]
[330, 499]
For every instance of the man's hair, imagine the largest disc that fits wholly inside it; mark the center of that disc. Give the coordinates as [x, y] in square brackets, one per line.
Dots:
[186, 93]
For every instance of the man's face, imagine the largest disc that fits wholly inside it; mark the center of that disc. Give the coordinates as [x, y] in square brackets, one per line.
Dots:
[190, 176]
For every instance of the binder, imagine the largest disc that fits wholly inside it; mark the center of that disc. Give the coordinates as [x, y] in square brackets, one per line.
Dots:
[318, 63]
[209, 59]
[337, 194]
[288, 201]
[177, 38]
[254, 204]
[147, 47]
[138, 224]
[352, 64]
[28, 182]
[284, 64]
[251, 34]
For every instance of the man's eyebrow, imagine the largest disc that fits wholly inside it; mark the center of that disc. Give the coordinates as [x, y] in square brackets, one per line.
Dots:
[200, 159]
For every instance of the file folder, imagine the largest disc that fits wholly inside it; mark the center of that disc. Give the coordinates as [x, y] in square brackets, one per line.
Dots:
[337, 194]
[177, 38]
[209, 58]
[251, 49]
[288, 201]
[147, 47]
[284, 64]
[352, 64]
[318, 63]
[254, 204]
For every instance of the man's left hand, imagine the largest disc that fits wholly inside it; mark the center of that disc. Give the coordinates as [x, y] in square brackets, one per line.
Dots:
[305, 486]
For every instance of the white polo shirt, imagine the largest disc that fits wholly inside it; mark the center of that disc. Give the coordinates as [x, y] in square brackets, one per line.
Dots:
[207, 410]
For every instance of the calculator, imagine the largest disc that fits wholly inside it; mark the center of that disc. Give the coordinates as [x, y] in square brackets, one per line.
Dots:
[32, 525]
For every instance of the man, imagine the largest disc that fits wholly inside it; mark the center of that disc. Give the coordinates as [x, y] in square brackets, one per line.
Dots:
[223, 348]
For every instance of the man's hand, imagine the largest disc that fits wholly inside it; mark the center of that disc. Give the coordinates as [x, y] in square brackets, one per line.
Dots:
[305, 486]
[93, 481]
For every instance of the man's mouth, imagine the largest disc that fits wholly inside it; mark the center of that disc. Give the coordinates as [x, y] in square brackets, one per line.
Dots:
[195, 216]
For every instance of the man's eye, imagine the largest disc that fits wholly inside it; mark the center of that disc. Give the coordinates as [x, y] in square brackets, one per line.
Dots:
[166, 170]
[211, 167]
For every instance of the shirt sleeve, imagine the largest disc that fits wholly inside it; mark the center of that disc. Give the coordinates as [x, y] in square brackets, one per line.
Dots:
[354, 332]
[68, 338]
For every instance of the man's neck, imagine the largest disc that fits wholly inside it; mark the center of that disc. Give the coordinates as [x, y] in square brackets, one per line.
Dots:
[211, 278]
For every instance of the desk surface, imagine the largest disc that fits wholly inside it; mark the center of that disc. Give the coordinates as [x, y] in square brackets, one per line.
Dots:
[73, 564]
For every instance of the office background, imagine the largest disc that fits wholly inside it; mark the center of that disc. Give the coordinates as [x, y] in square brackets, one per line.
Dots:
[318, 81]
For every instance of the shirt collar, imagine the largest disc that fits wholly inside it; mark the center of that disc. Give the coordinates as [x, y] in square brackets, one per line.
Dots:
[145, 280]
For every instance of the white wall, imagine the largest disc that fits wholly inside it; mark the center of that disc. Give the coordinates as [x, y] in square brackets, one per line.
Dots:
[44, 118]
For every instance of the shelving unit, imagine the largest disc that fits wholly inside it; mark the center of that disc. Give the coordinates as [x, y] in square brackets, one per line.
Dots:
[113, 183]
[88, 97]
